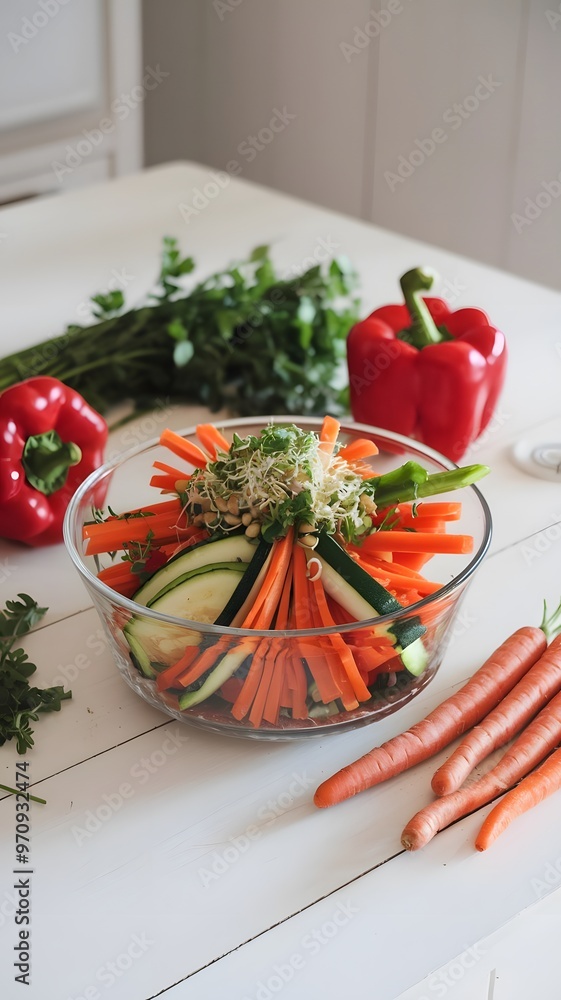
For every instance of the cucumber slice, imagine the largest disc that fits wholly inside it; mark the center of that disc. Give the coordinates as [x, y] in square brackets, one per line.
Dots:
[234, 548]
[244, 590]
[221, 673]
[363, 597]
[200, 598]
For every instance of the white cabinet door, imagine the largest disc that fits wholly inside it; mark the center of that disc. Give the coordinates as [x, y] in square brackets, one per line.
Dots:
[72, 93]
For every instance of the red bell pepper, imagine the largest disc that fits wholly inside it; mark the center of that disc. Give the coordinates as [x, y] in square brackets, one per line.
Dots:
[424, 371]
[50, 440]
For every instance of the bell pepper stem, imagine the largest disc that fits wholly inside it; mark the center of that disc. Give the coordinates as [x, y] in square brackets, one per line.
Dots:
[46, 460]
[404, 484]
[424, 330]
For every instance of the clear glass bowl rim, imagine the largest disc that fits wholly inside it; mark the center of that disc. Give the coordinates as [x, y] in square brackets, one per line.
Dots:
[349, 427]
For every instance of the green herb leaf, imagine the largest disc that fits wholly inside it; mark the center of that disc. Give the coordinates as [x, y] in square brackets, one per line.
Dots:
[21, 704]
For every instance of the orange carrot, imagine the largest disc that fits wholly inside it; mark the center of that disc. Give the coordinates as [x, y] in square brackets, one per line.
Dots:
[171, 470]
[343, 652]
[184, 449]
[245, 699]
[528, 697]
[533, 745]
[164, 482]
[529, 793]
[417, 541]
[166, 678]
[412, 560]
[328, 436]
[443, 511]
[396, 579]
[357, 449]
[264, 610]
[114, 535]
[211, 439]
[469, 705]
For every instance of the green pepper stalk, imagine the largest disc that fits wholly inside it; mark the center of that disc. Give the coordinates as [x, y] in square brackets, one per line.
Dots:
[423, 329]
[412, 482]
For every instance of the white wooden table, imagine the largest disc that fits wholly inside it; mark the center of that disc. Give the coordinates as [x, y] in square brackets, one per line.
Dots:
[215, 876]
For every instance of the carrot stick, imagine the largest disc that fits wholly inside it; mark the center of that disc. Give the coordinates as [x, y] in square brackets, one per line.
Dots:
[443, 510]
[270, 660]
[263, 613]
[528, 697]
[328, 436]
[164, 482]
[469, 705]
[412, 560]
[417, 541]
[272, 704]
[166, 678]
[163, 507]
[532, 790]
[171, 470]
[243, 702]
[539, 738]
[343, 652]
[211, 439]
[184, 449]
[114, 535]
[360, 448]
[322, 618]
[394, 579]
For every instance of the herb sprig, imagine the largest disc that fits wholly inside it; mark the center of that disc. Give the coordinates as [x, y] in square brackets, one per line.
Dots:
[244, 338]
[20, 704]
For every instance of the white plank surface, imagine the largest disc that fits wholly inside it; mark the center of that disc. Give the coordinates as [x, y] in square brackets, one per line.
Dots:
[196, 843]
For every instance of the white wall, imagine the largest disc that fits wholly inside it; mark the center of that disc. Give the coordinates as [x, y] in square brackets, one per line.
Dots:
[366, 94]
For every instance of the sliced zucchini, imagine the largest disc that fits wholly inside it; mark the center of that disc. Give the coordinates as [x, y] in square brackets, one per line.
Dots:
[244, 593]
[155, 645]
[234, 548]
[216, 678]
[200, 598]
[363, 597]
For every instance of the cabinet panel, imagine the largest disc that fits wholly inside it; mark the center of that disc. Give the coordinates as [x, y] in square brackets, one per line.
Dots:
[51, 62]
[447, 112]
[533, 222]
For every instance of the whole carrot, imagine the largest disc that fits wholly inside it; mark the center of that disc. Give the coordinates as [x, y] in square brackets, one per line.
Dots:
[469, 705]
[532, 790]
[539, 738]
[536, 688]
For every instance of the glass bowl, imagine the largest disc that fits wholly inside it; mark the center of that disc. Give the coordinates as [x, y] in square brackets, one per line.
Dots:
[124, 483]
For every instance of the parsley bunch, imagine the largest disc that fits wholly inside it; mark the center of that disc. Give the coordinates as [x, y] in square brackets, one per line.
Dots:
[244, 338]
[20, 704]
